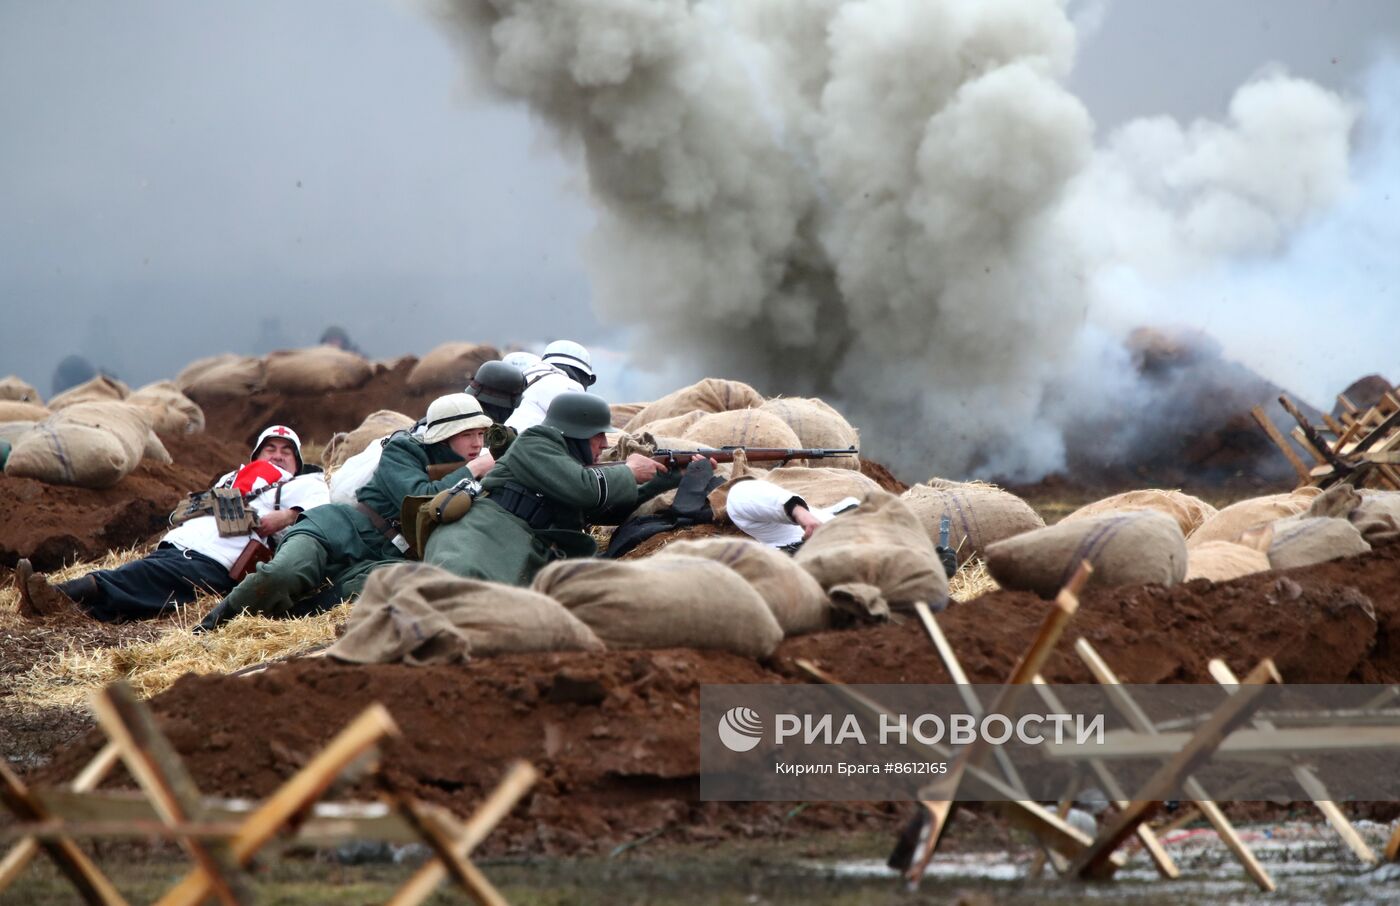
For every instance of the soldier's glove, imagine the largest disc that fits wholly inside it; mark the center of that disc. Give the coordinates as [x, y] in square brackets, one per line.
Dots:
[220, 615]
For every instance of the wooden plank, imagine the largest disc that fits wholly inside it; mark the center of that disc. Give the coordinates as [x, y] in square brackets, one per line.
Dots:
[512, 788]
[1309, 781]
[23, 852]
[1165, 865]
[1029, 664]
[1336, 428]
[1314, 440]
[1243, 745]
[1378, 433]
[439, 831]
[1023, 813]
[1281, 442]
[292, 797]
[1139, 721]
[1233, 712]
[965, 690]
[154, 763]
[92, 885]
[1302, 439]
[1347, 405]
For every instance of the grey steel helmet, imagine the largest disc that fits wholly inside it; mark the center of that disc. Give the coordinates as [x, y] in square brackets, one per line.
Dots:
[498, 384]
[579, 415]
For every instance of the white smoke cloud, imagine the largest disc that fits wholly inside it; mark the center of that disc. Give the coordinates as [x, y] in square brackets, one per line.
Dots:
[896, 203]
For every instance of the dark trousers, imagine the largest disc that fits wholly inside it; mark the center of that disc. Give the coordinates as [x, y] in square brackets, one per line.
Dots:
[149, 587]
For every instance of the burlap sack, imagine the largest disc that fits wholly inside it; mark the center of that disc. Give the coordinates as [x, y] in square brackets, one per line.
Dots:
[1189, 512]
[1221, 561]
[1237, 518]
[12, 388]
[91, 445]
[877, 551]
[378, 424]
[221, 377]
[709, 395]
[167, 409]
[1305, 540]
[817, 425]
[417, 613]
[100, 389]
[794, 597]
[1377, 516]
[450, 365]
[12, 411]
[1124, 549]
[664, 602]
[676, 425]
[742, 428]
[622, 413]
[978, 514]
[320, 369]
[11, 432]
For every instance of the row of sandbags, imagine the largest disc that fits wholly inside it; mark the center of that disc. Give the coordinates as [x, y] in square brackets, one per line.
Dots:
[727, 593]
[1168, 537]
[95, 434]
[721, 413]
[322, 369]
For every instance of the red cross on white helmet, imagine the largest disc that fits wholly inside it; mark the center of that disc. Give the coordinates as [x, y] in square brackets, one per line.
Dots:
[279, 431]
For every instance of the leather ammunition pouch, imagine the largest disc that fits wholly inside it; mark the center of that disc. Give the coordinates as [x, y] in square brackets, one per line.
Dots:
[533, 509]
[229, 507]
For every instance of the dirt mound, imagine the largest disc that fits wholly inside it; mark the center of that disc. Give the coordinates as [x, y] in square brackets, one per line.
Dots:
[316, 417]
[881, 476]
[615, 733]
[53, 524]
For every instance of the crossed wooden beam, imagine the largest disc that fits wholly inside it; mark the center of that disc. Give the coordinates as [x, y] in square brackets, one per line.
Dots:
[222, 848]
[1072, 852]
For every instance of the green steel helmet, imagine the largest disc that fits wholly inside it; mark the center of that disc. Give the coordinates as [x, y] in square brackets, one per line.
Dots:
[579, 415]
[498, 384]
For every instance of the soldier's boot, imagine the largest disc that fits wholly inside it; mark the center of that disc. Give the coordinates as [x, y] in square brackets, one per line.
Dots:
[37, 598]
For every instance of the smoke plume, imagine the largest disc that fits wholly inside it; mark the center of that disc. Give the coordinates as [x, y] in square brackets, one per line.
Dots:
[897, 204]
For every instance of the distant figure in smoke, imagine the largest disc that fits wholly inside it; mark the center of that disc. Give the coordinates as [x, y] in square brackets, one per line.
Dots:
[71, 372]
[565, 367]
[336, 336]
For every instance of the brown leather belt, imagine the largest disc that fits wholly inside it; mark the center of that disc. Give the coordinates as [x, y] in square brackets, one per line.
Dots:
[388, 529]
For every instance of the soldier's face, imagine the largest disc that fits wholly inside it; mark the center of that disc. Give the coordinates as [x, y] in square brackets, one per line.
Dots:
[468, 443]
[598, 443]
[280, 453]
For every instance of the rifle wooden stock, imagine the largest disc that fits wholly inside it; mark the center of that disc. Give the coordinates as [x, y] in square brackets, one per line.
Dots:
[753, 454]
[444, 469]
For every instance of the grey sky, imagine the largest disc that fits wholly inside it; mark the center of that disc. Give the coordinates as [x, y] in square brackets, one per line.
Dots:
[174, 175]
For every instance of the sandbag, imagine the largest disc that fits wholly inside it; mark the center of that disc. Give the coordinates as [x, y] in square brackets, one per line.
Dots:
[1123, 548]
[877, 551]
[167, 409]
[11, 432]
[375, 426]
[221, 377]
[14, 411]
[90, 445]
[742, 428]
[417, 613]
[794, 597]
[320, 369]
[100, 389]
[1189, 512]
[1305, 540]
[708, 395]
[1221, 561]
[20, 391]
[622, 413]
[664, 602]
[1237, 518]
[1377, 516]
[676, 425]
[817, 425]
[979, 515]
[450, 365]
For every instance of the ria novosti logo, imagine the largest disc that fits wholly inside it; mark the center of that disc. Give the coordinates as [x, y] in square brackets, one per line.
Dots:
[740, 729]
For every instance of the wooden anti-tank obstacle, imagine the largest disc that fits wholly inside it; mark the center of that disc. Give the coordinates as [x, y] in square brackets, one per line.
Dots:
[222, 837]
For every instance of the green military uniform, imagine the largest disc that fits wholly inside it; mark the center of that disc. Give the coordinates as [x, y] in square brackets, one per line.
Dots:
[339, 541]
[492, 542]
